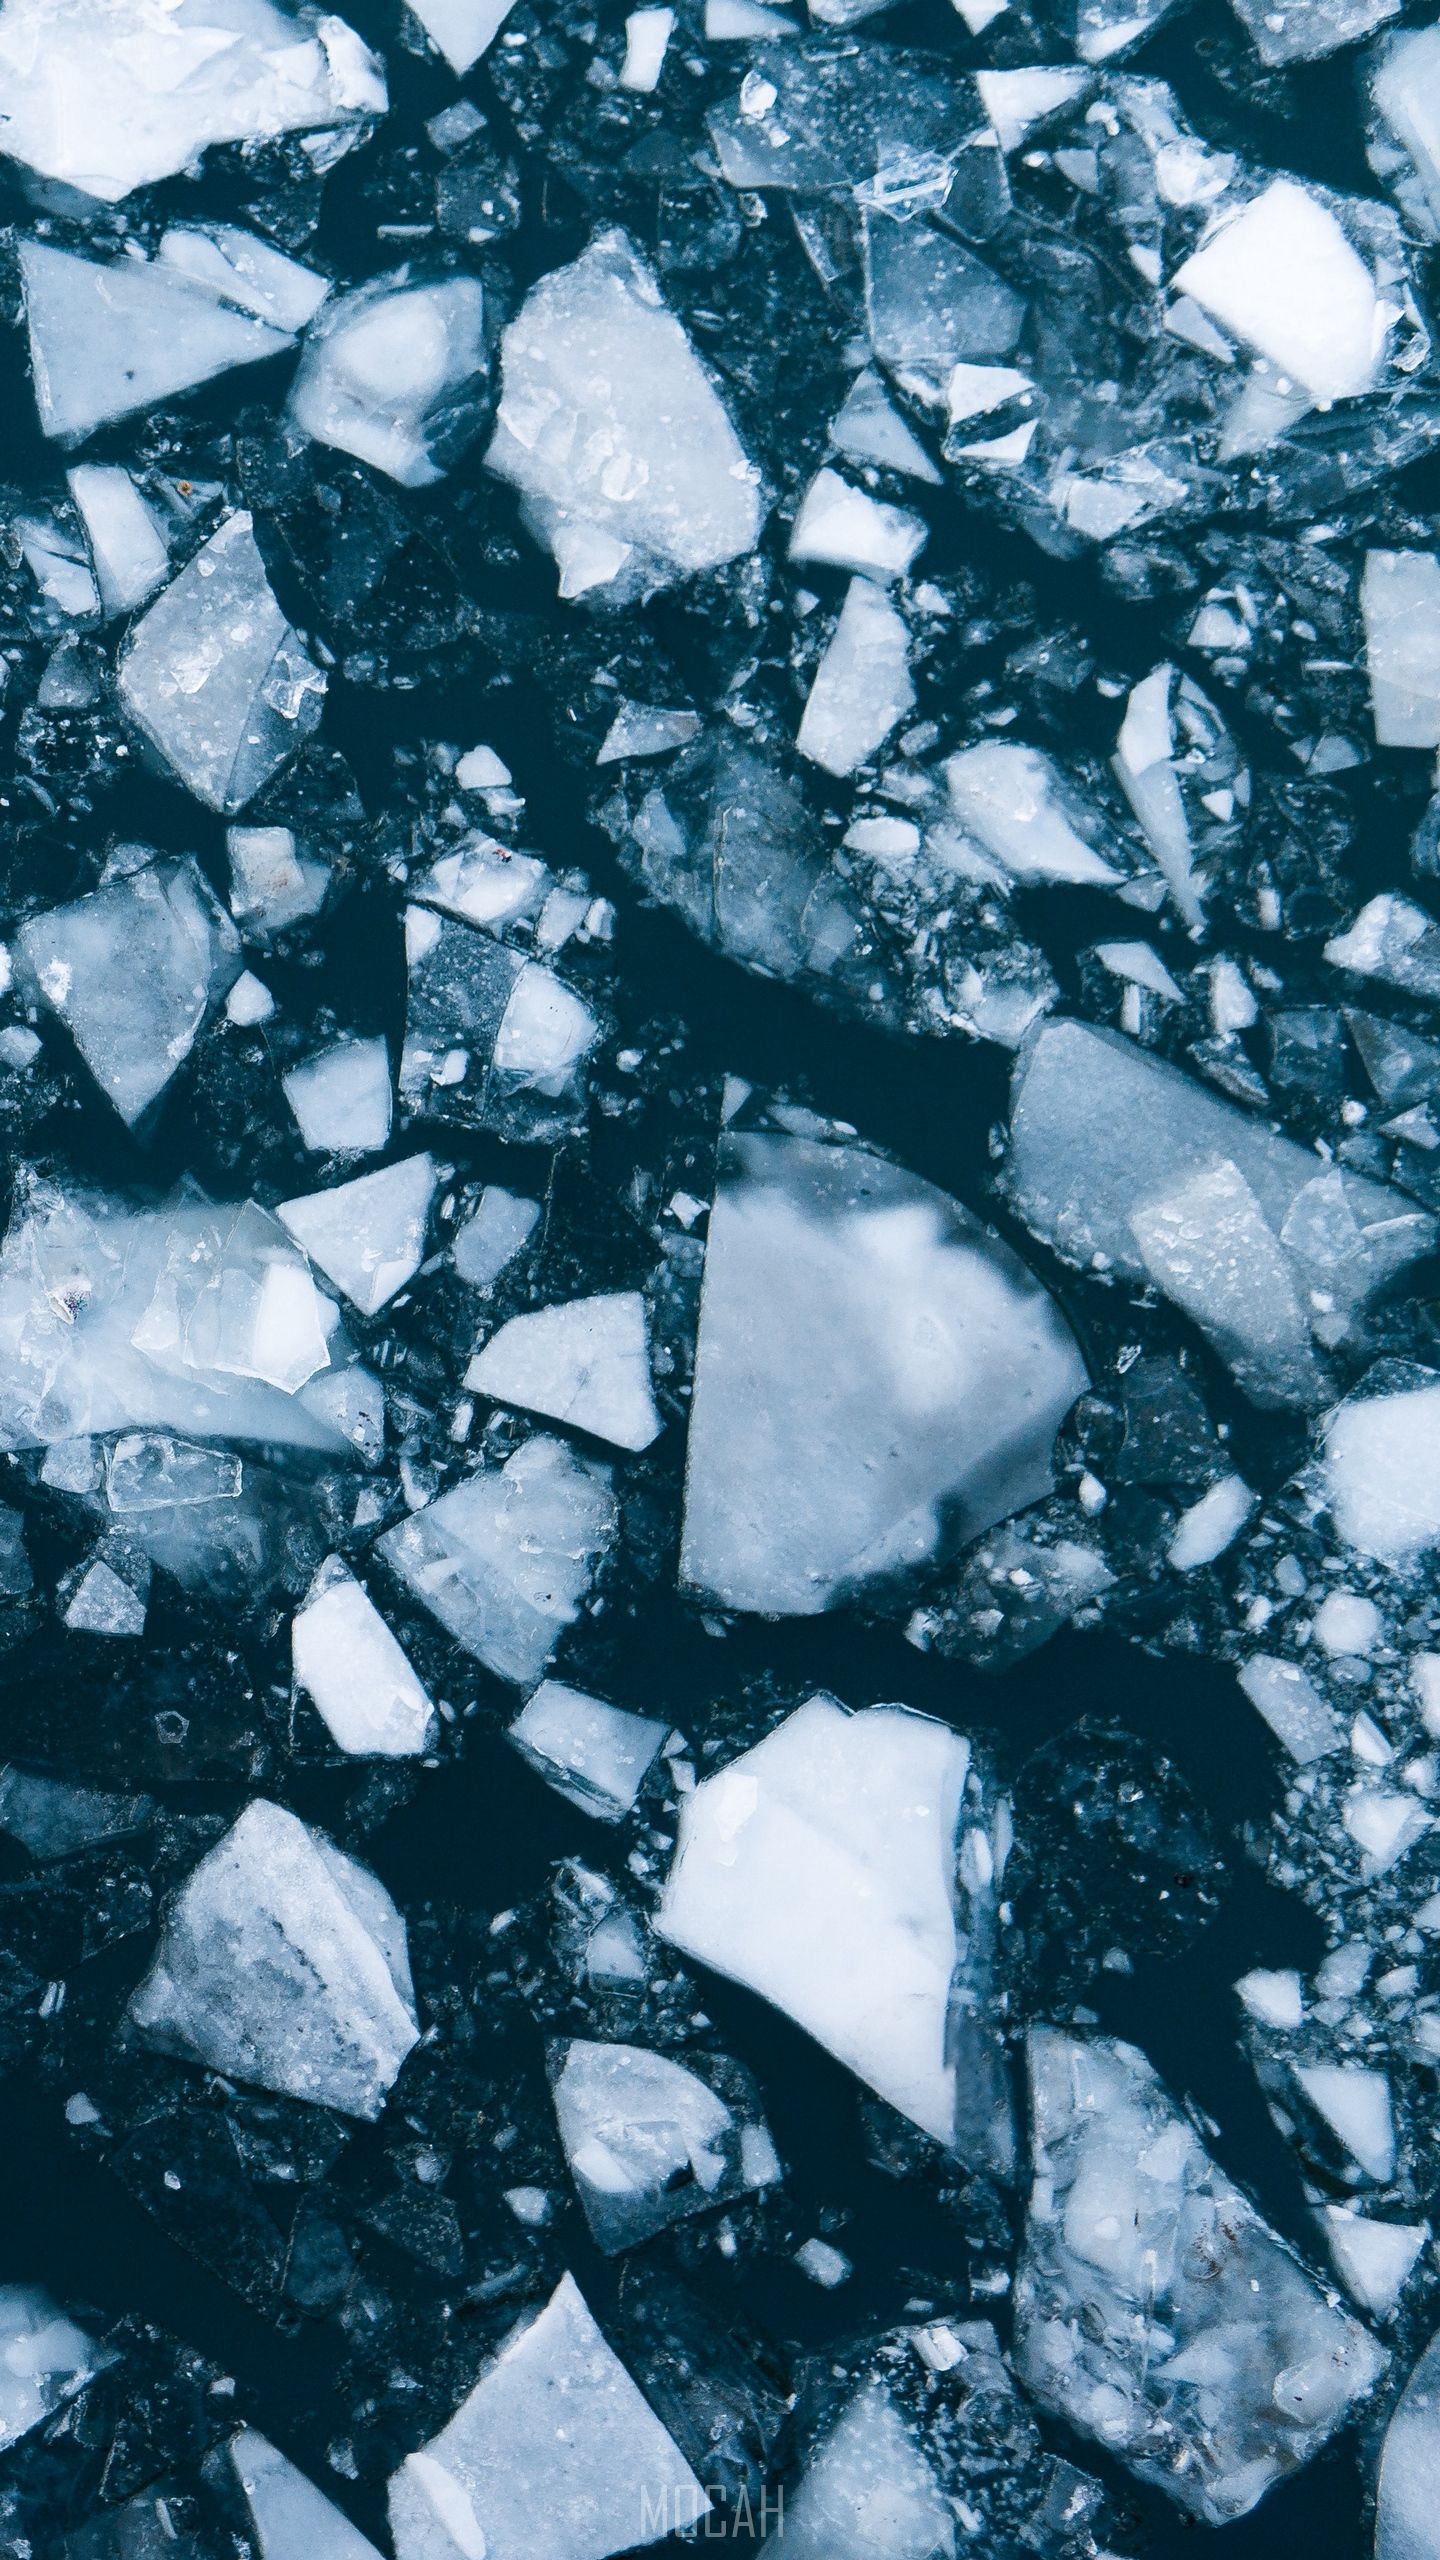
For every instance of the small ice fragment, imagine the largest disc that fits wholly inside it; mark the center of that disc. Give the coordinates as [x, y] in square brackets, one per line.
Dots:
[1372, 2259]
[246, 271]
[647, 2141]
[127, 545]
[823, 2264]
[108, 1592]
[368, 1236]
[1382, 1472]
[480, 769]
[1347, 1623]
[1281, 275]
[461, 29]
[342, 1098]
[862, 685]
[44, 2360]
[841, 527]
[868, 428]
[647, 38]
[272, 883]
[500, 1226]
[1276, 1999]
[356, 1676]
[646, 729]
[110, 337]
[1292, 1707]
[293, 2520]
[249, 1001]
[586, 1363]
[868, 2491]
[1209, 1526]
[594, 1755]
[1013, 801]
[385, 371]
[1400, 602]
[283, 1963]
[1395, 941]
[1355, 2103]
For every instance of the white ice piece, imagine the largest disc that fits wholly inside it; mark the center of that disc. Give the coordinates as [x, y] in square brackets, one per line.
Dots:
[245, 271]
[819, 1870]
[342, 1098]
[1407, 2500]
[283, 1963]
[1206, 1242]
[368, 1236]
[214, 676]
[1394, 941]
[272, 883]
[112, 336]
[127, 545]
[1355, 2103]
[1276, 1999]
[500, 1226]
[868, 428]
[1405, 92]
[586, 1363]
[1154, 2310]
[1372, 2259]
[862, 685]
[647, 40]
[593, 1754]
[868, 2491]
[1209, 1526]
[875, 1370]
[1400, 603]
[462, 29]
[356, 1676]
[841, 527]
[293, 2519]
[554, 2426]
[1281, 276]
[44, 2360]
[110, 95]
[626, 461]
[1010, 799]
[1292, 1707]
[134, 971]
[648, 2141]
[1145, 770]
[1382, 1472]
[385, 368]
[505, 1559]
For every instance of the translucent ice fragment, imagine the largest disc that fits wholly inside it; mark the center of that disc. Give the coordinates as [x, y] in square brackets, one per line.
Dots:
[609, 426]
[819, 1870]
[127, 545]
[593, 1754]
[272, 883]
[356, 1676]
[110, 95]
[875, 1372]
[214, 676]
[1372, 2259]
[134, 971]
[505, 1559]
[1355, 2104]
[284, 1964]
[1405, 151]
[586, 1363]
[842, 527]
[110, 337]
[1292, 1707]
[386, 372]
[862, 686]
[500, 1226]
[244, 270]
[1305, 30]
[1407, 2496]
[462, 29]
[554, 2419]
[868, 428]
[1400, 602]
[1206, 1243]
[1013, 801]
[1395, 941]
[1281, 276]
[368, 1236]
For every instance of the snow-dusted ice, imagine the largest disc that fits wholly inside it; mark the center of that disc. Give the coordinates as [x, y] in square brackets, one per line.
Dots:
[868, 2490]
[293, 2519]
[108, 337]
[282, 1962]
[554, 2418]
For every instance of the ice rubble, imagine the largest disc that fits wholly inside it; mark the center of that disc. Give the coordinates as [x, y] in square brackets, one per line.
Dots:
[595, 1755]
[649, 2140]
[386, 373]
[1155, 2311]
[44, 2360]
[910, 1391]
[507, 1557]
[493, 1039]
[586, 1364]
[214, 677]
[820, 1870]
[110, 95]
[624, 455]
[357, 1677]
[283, 1963]
[110, 337]
[555, 2416]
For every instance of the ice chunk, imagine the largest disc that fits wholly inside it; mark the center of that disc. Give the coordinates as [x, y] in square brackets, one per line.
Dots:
[1400, 601]
[1212, 1524]
[1102, 1131]
[195, 1319]
[1405, 152]
[505, 1559]
[1292, 1707]
[293, 2519]
[246, 271]
[1017, 102]
[1394, 941]
[500, 1226]
[586, 1363]
[53, 1820]
[1372, 2259]
[646, 729]
[868, 428]
[462, 29]
[368, 1236]
[110, 337]
[648, 2141]
[1355, 2104]
[862, 685]
[1276, 1999]
[1145, 769]
[594, 1755]
[876, 1372]
[1207, 1244]
[386, 373]
[1013, 801]
[554, 2419]
[127, 544]
[929, 301]
[841, 527]
[868, 2491]
[1281, 276]
[272, 883]
[354, 1673]
[1154, 2310]
[609, 426]
[284, 1964]
[1304, 30]
[214, 676]
[1382, 1471]
[819, 1870]
[110, 95]
[44, 2360]
[647, 38]
[1407, 2498]
[134, 971]
[108, 1592]
[342, 1098]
